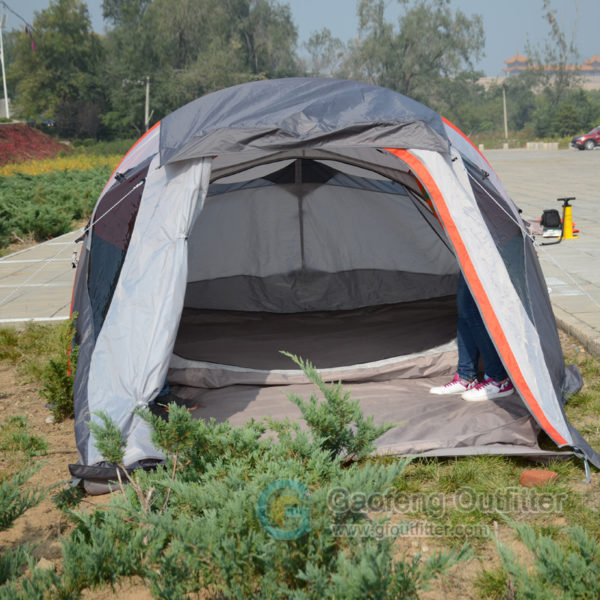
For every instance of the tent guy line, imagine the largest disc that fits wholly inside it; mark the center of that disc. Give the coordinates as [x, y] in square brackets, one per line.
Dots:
[51, 242]
[45, 263]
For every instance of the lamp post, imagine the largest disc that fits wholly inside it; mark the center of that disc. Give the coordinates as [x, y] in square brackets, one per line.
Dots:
[146, 82]
[147, 105]
[505, 117]
[2, 25]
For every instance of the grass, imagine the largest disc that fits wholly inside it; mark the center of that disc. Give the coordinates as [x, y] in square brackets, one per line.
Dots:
[435, 489]
[492, 584]
[18, 445]
[29, 349]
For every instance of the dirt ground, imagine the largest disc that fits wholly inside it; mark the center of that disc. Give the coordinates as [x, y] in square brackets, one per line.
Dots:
[44, 524]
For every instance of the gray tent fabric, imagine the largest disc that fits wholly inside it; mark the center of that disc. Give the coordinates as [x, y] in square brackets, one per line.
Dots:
[330, 219]
[298, 113]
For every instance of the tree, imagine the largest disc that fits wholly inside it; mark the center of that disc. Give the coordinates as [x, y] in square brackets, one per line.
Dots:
[327, 53]
[431, 45]
[60, 78]
[189, 48]
[553, 64]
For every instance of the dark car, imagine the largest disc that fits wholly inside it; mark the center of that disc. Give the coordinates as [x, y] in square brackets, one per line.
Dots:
[587, 141]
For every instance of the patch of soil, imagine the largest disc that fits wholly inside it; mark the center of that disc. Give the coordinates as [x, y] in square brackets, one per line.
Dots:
[43, 524]
[19, 142]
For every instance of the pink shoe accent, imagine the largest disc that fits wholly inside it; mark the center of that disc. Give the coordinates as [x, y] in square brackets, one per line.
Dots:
[456, 386]
[489, 389]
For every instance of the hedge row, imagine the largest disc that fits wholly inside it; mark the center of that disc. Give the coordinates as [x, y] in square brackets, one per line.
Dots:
[44, 206]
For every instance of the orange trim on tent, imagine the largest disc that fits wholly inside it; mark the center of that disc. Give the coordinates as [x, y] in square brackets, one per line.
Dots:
[453, 126]
[133, 148]
[478, 291]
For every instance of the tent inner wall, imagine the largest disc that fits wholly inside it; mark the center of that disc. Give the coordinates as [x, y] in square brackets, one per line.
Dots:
[307, 237]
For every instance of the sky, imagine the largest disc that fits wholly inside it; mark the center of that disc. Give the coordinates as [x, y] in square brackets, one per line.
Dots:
[508, 24]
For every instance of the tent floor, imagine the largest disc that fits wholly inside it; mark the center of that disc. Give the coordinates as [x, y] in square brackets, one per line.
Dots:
[328, 339]
[422, 422]
[230, 364]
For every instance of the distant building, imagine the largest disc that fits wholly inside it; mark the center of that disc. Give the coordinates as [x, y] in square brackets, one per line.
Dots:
[591, 67]
[589, 70]
[515, 65]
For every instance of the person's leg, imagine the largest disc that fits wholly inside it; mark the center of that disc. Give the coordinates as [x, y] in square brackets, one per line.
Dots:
[496, 383]
[468, 350]
[468, 353]
[480, 337]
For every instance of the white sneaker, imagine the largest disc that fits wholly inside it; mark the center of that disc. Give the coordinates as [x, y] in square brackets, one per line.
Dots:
[489, 389]
[456, 386]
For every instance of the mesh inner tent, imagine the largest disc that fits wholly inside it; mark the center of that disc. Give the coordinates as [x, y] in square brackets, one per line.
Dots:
[307, 236]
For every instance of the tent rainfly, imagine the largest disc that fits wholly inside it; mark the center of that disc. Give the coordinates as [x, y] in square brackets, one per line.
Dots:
[327, 218]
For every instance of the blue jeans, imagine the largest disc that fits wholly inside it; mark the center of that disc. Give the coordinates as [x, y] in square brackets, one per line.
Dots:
[473, 339]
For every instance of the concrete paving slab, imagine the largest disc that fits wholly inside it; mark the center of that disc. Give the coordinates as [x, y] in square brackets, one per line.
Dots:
[36, 283]
[535, 179]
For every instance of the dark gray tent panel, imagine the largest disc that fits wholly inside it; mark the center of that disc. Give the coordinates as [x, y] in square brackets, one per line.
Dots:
[329, 219]
[270, 116]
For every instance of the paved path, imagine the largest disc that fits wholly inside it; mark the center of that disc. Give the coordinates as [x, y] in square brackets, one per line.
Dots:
[37, 283]
[535, 179]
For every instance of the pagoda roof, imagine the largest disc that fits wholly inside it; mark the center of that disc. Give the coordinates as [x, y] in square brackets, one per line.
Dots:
[517, 58]
[594, 60]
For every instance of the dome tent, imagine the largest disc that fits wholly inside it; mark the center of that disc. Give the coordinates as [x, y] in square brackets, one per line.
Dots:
[330, 219]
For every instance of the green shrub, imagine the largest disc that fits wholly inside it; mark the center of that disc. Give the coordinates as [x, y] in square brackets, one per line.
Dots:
[238, 513]
[569, 570]
[104, 148]
[13, 563]
[45, 205]
[15, 499]
[337, 423]
[58, 375]
[15, 438]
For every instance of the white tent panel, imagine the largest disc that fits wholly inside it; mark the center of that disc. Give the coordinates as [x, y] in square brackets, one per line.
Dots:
[501, 294]
[130, 360]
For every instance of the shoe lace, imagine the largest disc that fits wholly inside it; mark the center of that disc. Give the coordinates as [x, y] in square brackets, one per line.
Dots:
[455, 379]
[482, 384]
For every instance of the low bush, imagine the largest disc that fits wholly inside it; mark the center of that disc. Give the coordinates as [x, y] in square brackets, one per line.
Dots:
[15, 499]
[58, 375]
[568, 569]
[104, 148]
[44, 356]
[46, 205]
[239, 513]
[73, 162]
